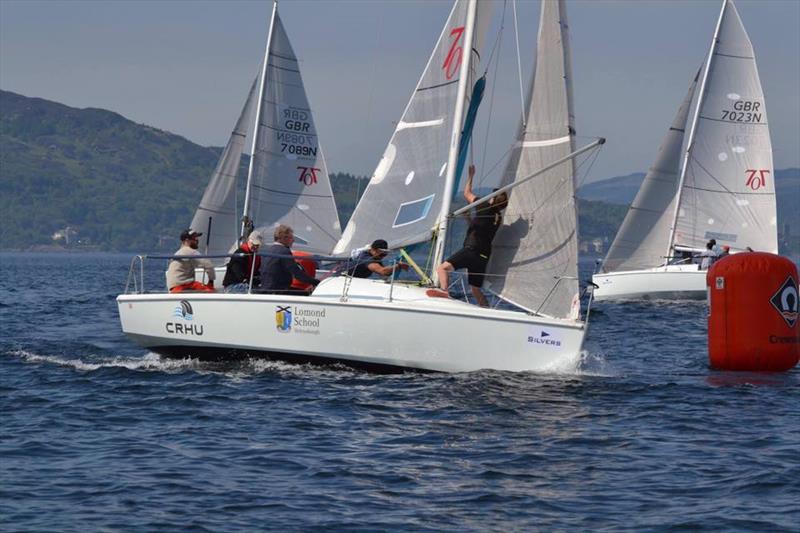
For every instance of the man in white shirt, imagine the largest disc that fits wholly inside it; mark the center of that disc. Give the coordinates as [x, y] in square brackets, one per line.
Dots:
[180, 273]
[708, 256]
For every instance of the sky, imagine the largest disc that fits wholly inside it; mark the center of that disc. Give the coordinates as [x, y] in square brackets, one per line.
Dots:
[185, 66]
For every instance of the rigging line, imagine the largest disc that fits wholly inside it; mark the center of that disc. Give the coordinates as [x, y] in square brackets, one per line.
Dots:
[491, 100]
[519, 65]
[498, 40]
[710, 175]
[502, 158]
[595, 155]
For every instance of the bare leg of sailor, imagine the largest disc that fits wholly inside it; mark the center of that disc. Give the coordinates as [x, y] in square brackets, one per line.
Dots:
[443, 271]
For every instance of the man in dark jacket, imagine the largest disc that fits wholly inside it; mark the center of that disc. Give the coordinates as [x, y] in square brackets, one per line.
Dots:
[241, 265]
[279, 267]
[368, 262]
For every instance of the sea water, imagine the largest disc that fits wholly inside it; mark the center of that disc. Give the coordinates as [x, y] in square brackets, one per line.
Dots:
[98, 434]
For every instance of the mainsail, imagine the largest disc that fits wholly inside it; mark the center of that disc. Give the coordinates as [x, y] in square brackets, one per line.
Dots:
[643, 238]
[728, 191]
[216, 215]
[404, 197]
[290, 183]
[534, 261]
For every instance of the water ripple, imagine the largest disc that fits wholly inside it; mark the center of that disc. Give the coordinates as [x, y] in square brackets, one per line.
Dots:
[636, 434]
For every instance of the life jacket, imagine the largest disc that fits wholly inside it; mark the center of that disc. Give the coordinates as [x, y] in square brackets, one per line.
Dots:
[309, 265]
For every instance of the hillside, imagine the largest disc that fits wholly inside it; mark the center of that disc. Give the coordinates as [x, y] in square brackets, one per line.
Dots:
[112, 184]
[120, 183]
[115, 184]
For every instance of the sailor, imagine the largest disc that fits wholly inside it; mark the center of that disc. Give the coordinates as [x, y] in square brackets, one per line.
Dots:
[237, 275]
[474, 255]
[278, 268]
[708, 256]
[180, 273]
[368, 262]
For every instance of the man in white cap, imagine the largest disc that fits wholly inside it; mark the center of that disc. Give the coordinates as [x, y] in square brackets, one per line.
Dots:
[180, 273]
[242, 264]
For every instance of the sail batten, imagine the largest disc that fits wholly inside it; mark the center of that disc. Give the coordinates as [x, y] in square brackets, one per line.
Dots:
[535, 252]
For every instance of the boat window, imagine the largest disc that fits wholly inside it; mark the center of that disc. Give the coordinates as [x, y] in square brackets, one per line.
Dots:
[413, 211]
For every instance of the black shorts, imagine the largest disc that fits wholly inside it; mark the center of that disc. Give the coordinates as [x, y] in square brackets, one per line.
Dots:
[474, 262]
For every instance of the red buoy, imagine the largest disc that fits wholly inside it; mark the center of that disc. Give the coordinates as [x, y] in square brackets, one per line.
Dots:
[753, 313]
[309, 265]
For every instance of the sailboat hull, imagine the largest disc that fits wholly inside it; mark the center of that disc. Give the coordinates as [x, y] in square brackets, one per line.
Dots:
[671, 282]
[365, 330]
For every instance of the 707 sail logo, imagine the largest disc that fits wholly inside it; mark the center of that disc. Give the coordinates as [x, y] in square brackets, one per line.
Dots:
[308, 175]
[756, 178]
[454, 55]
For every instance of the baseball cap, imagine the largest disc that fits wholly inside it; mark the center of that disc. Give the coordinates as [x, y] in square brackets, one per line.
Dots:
[380, 244]
[189, 233]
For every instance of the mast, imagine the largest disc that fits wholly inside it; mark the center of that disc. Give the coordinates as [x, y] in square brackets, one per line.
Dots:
[690, 143]
[458, 118]
[261, 89]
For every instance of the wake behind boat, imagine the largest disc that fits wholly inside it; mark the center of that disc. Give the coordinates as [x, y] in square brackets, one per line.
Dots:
[724, 190]
[392, 325]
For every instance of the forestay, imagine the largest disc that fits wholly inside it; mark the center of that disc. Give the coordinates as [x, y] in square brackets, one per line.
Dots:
[643, 238]
[216, 215]
[728, 188]
[290, 183]
[404, 197]
[535, 253]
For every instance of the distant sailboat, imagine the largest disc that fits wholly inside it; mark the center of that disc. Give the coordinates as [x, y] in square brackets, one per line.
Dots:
[394, 325]
[724, 189]
[287, 181]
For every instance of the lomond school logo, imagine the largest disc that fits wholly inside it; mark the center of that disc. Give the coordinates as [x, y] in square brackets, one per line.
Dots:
[183, 310]
[785, 301]
[283, 318]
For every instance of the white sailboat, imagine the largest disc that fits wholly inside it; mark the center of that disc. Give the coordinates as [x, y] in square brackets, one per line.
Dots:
[392, 325]
[724, 190]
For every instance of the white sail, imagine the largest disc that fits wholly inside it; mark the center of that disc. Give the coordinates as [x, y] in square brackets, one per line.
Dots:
[534, 260]
[643, 238]
[728, 191]
[290, 183]
[404, 197]
[216, 215]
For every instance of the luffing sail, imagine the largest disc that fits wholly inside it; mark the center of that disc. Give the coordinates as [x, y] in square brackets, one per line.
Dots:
[216, 215]
[290, 183]
[728, 191]
[643, 239]
[534, 261]
[404, 196]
